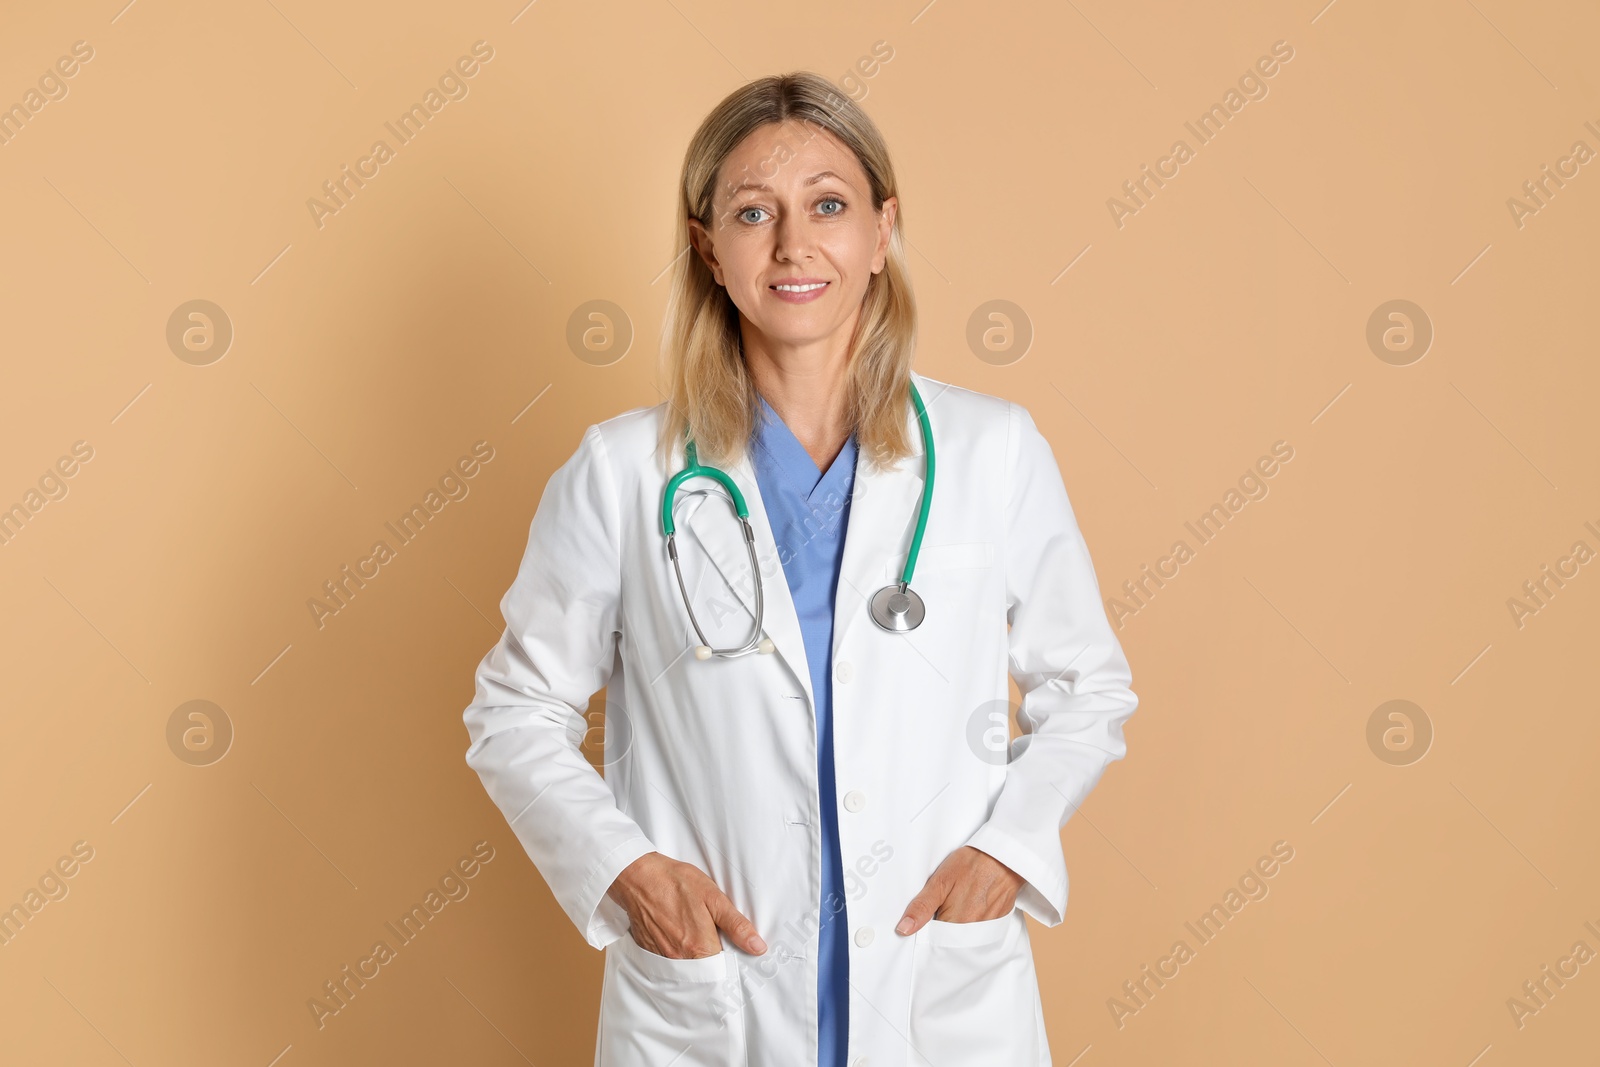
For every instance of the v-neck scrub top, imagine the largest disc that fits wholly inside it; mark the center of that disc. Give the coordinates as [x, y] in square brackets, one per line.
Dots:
[808, 510]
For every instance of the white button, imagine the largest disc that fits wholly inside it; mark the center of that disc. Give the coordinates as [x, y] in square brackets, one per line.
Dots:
[859, 1061]
[843, 672]
[855, 800]
[864, 936]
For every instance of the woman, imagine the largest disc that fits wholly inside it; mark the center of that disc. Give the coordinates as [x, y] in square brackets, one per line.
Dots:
[811, 845]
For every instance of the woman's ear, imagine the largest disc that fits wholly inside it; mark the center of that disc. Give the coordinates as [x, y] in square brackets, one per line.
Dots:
[886, 215]
[700, 240]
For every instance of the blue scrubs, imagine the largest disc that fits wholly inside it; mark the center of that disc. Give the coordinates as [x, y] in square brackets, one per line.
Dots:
[808, 510]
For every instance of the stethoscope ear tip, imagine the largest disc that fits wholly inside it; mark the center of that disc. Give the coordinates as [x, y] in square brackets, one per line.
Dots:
[702, 651]
[766, 645]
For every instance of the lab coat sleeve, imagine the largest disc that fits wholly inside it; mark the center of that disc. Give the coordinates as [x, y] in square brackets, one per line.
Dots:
[526, 720]
[1069, 668]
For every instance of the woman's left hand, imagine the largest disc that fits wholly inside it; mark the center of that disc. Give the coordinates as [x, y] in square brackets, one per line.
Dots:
[969, 886]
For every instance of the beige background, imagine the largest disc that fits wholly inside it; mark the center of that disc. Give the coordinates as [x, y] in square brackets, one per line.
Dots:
[432, 310]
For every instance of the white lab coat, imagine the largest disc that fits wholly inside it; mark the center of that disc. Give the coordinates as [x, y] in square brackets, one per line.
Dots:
[714, 762]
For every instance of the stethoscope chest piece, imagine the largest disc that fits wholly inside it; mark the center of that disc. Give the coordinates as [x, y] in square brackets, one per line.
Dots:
[897, 608]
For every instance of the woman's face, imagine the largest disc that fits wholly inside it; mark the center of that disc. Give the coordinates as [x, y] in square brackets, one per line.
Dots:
[793, 207]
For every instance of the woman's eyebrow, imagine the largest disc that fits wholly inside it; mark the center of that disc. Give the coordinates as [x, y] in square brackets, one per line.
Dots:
[814, 179]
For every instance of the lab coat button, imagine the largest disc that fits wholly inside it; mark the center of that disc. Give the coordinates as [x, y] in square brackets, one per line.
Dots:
[843, 672]
[855, 800]
[864, 936]
[859, 1061]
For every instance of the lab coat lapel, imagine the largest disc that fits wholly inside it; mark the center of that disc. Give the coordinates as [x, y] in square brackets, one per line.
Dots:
[883, 517]
[716, 532]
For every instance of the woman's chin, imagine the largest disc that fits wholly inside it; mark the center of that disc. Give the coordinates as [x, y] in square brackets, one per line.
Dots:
[795, 330]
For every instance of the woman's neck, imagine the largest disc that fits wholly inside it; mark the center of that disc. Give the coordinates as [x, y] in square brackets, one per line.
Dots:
[806, 388]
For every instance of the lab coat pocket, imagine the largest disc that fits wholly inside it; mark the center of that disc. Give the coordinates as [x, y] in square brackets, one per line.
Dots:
[657, 1010]
[974, 995]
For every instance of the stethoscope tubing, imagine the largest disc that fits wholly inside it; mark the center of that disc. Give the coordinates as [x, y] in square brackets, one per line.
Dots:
[927, 488]
[754, 641]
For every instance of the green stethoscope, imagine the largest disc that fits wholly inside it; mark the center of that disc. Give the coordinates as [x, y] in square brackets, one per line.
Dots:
[895, 608]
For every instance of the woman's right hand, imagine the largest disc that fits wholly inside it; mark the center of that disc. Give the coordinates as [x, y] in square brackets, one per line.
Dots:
[676, 909]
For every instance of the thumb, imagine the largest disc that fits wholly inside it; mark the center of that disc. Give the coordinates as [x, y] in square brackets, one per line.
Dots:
[731, 920]
[922, 906]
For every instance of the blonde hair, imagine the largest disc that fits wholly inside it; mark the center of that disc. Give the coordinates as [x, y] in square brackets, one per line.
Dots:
[709, 388]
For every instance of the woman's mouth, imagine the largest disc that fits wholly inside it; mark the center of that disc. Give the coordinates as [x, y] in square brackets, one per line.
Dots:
[800, 291]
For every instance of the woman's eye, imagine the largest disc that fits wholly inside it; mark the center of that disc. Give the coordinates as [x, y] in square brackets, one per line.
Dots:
[832, 200]
[745, 213]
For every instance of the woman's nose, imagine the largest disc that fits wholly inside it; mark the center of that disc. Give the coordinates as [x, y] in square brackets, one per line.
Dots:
[794, 236]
